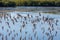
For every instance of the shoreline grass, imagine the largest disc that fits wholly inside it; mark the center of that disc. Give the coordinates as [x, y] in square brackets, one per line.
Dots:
[45, 3]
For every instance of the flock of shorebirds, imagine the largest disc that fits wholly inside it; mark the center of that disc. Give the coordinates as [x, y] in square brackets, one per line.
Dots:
[29, 27]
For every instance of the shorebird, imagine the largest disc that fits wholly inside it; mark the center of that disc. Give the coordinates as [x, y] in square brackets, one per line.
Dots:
[50, 37]
[15, 19]
[43, 30]
[20, 37]
[2, 27]
[28, 15]
[7, 30]
[25, 18]
[0, 21]
[0, 34]
[17, 34]
[25, 32]
[12, 21]
[35, 34]
[31, 16]
[47, 33]
[19, 15]
[13, 30]
[39, 14]
[25, 38]
[9, 34]
[37, 38]
[56, 33]
[56, 22]
[6, 37]
[2, 37]
[8, 24]
[52, 27]
[23, 25]
[20, 30]
[14, 35]
[13, 38]
[34, 25]
[31, 37]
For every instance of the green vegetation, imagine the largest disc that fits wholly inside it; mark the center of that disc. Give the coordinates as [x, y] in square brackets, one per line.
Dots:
[13, 3]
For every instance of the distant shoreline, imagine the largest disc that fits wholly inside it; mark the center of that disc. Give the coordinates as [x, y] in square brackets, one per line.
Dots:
[31, 9]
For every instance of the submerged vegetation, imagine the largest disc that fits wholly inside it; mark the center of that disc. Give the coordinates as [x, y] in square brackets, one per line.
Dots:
[13, 3]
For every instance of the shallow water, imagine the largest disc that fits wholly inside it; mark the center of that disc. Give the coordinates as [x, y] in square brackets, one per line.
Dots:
[32, 9]
[29, 26]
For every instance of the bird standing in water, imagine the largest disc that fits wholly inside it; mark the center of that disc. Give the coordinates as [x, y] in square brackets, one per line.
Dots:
[2, 27]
